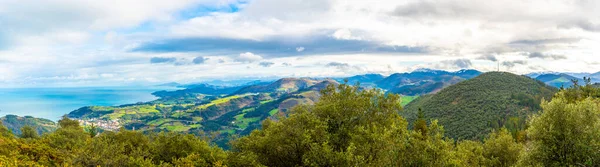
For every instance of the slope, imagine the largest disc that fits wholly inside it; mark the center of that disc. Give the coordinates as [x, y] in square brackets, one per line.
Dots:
[281, 85]
[470, 109]
[423, 81]
[558, 80]
[14, 123]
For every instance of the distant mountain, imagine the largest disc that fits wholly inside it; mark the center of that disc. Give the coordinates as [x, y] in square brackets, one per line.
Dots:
[281, 85]
[365, 80]
[170, 84]
[537, 74]
[470, 109]
[423, 81]
[198, 89]
[595, 76]
[558, 80]
[14, 123]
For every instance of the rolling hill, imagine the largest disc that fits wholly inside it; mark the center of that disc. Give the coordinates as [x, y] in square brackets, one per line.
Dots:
[367, 80]
[471, 109]
[281, 85]
[14, 123]
[193, 111]
[423, 81]
[558, 80]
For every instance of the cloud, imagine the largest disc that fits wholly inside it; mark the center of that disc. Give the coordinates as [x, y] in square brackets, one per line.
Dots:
[545, 56]
[155, 60]
[582, 24]
[248, 57]
[545, 41]
[460, 63]
[199, 60]
[275, 46]
[344, 67]
[345, 34]
[286, 64]
[489, 57]
[266, 64]
[511, 64]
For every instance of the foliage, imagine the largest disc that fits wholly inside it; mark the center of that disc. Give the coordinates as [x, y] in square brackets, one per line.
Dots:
[27, 132]
[567, 132]
[473, 108]
[346, 127]
[501, 149]
[15, 123]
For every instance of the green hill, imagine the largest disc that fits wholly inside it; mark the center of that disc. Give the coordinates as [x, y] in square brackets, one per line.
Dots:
[558, 80]
[14, 123]
[281, 85]
[472, 108]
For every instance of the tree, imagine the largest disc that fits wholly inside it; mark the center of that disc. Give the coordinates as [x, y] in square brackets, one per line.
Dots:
[420, 124]
[5, 132]
[567, 132]
[346, 127]
[67, 141]
[93, 130]
[469, 153]
[27, 132]
[500, 149]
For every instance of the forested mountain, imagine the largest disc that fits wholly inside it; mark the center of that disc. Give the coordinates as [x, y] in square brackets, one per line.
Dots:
[423, 81]
[15, 123]
[471, 109]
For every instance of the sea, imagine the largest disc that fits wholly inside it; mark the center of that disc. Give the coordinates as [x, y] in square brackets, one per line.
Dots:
[53, 103]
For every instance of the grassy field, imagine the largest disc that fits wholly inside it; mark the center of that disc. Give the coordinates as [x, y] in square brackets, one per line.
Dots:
[143, 109]
[242, 122]
[407, 99]
[273, 112]
[221, 101]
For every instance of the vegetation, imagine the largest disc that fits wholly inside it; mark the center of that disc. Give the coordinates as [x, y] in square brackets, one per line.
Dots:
[39, 125]
[349, 126]
[474, 108]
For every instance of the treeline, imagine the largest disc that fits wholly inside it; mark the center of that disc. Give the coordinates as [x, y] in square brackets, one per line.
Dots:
[347, 127]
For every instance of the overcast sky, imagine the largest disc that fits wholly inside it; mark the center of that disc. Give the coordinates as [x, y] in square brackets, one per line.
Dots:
[121, 42]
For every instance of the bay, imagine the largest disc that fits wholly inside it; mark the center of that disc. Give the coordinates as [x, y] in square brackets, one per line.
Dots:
[53, 103]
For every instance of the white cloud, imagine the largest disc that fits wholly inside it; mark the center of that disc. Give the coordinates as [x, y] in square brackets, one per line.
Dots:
[58, 39]
[344, 34]
[248, 57]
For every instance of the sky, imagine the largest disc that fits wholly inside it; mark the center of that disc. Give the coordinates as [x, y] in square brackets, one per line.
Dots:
[129, 42]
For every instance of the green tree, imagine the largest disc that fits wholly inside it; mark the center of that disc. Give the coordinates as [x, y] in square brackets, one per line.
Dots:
[124, 148]
[501, 149]
[567, 132]
[433, 150]
[169, 147]
[5, 132]
[67, 141]
[347, 127]
[93, 130]
[421, 124]
[469, 153]
[27, 132]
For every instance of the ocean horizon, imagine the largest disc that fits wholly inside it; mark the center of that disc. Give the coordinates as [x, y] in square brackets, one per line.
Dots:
[53, 103]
